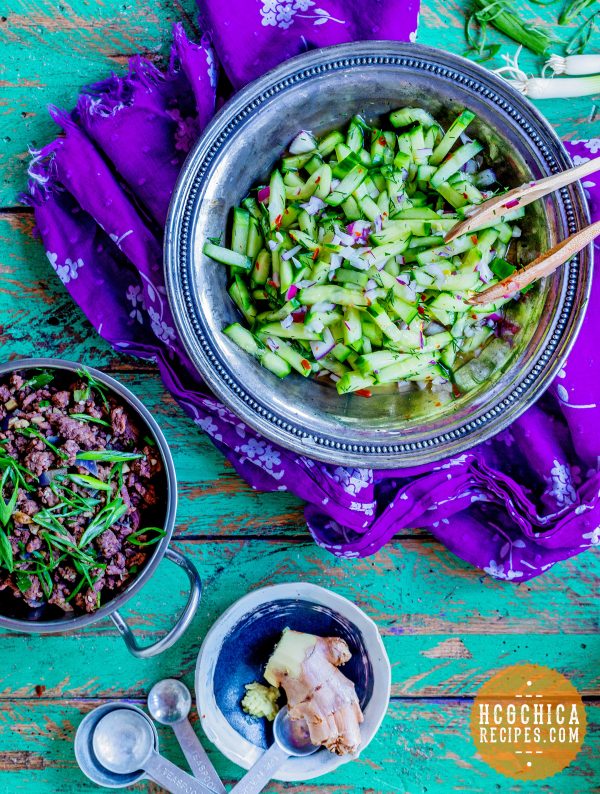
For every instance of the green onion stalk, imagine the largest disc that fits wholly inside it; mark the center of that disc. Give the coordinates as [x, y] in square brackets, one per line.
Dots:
[502, 15]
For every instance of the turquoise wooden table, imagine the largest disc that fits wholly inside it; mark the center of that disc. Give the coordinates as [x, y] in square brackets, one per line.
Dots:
[446, 627]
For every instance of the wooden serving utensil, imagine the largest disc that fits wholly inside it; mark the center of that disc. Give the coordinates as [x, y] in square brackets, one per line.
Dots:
[542, 266]
[492, 210]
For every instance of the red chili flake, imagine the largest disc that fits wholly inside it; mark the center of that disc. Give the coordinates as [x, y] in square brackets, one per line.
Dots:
[317, 180]
[363, 392]
[455, 390]
[421, 310]
[438, 404]
[257, 265]
[465, 196]
[39, 690]
[315, 255]
[305, 364]
[473, 317]
[382, 141]
[278, 221]
[271, 283]
[474, 239]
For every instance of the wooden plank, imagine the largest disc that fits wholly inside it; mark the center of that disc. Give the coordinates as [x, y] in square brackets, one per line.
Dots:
[412, 587]
[422, 746]
[50, 51]
[423, 666]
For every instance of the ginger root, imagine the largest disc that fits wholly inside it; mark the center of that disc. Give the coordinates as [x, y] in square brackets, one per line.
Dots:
[306, 667]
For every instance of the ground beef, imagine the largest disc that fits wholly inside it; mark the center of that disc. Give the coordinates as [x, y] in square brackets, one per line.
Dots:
[60, 399]
[39, 460]
[109, 544]
[73, 430]
[53, 466]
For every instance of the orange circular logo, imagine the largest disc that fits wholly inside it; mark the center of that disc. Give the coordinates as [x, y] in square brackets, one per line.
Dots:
[528, 722]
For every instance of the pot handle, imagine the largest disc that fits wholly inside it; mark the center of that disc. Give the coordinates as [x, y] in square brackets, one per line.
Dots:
[183, 621]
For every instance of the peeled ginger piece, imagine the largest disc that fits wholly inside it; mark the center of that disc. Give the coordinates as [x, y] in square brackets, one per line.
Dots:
[306, 667]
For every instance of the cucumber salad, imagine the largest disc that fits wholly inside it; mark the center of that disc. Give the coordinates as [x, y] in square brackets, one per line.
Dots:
[339, 267]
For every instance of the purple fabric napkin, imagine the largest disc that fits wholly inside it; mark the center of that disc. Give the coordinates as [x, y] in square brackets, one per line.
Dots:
[513, 506]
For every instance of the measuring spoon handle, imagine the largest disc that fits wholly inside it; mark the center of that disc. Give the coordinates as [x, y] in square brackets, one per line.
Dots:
[257, 777]
[172, 778]
[197, 757]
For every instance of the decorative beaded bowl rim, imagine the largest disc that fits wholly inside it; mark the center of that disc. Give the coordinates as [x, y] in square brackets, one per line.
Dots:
[224, 381]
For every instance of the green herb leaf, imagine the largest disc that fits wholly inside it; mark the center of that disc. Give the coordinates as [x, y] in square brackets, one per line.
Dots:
[92, 419]
[108, 456]
[31, 432]
[81, 395]
[23, 581]
[8, 504]
[41, 379]
[96, 385]
[156, 534]
[87, 481]
[581, 38]
[103, 520]
[6, 552]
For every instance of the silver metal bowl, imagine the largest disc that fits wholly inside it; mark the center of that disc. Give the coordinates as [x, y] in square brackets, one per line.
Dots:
[320, 91]
[74, 622]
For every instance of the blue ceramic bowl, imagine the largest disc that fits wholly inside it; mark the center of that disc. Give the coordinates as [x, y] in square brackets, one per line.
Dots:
[236, 651]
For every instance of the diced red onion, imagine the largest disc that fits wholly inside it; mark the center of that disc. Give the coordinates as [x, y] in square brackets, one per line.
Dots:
[434, 328]
[292, 292]
[335, 261]
[335, 183]
[399, 259]
[263, 194]
[279, 237]
[320, 349]
[323, 306]
[303, 143]
[298, 315]
[486, 178]
[272, 245]
[425, 151]
[373, 192]
[517, 231]
[512, 203]
[287, 321]
[316, 325]
[371, 294]
[342, 237]
[313, 205]
[437, 272]
[292, 252]
[271, 344]
[334, 377]
[359, 230]
[485, 274]
[378, 223]
[305, 283]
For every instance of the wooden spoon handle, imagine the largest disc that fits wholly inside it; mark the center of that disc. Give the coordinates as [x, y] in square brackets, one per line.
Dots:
[492, 209]
[542, 266]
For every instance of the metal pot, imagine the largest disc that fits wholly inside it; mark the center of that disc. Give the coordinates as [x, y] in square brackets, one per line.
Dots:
[111, 609]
